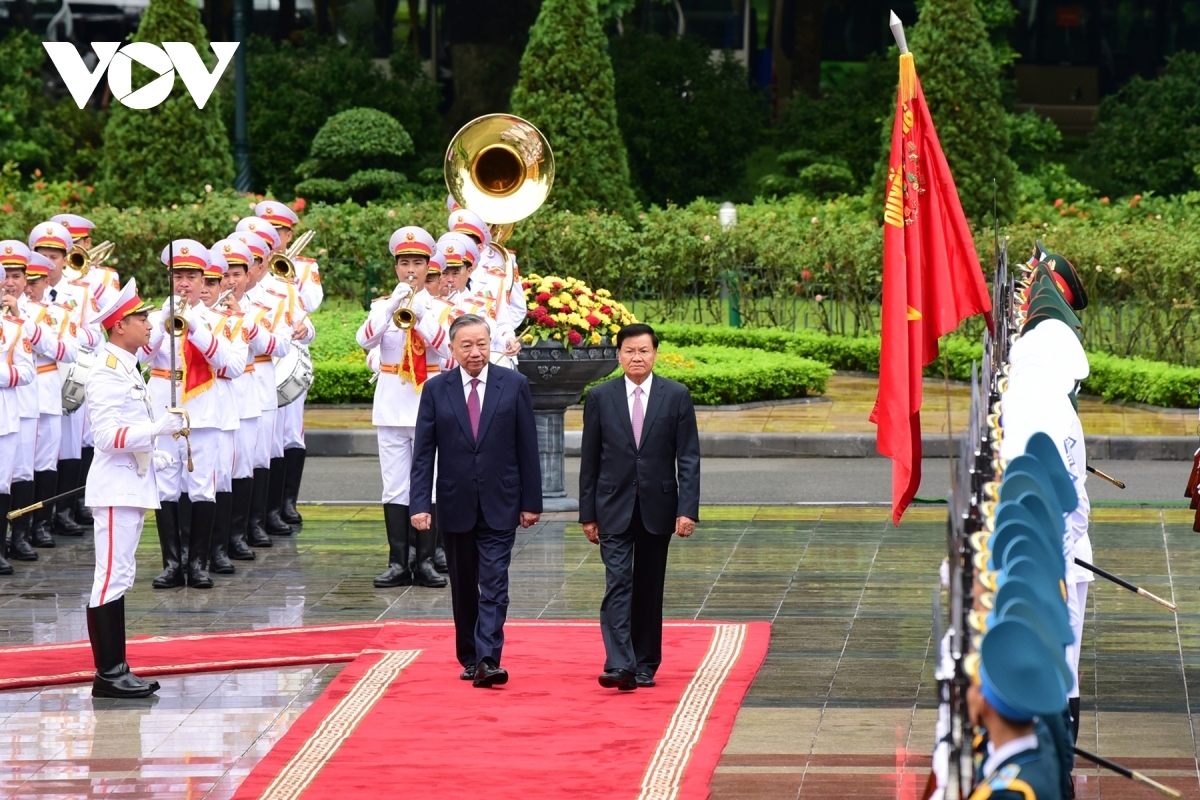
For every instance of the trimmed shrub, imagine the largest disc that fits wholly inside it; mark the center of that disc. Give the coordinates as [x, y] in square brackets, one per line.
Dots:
[336, 382]
[356, 156]
[718, 376]
[566, 90]
[166, 154]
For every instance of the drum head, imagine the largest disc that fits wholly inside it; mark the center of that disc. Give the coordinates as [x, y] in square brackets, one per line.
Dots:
[497, 357]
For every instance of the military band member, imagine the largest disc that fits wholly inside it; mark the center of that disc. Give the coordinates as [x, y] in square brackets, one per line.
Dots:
[199, 355]
[308, 285]
[270, 338]
[13, 300]
[494, 277]
[16, 370]
[52, 335]
[407, 358]
[239, 257]
[122, 486]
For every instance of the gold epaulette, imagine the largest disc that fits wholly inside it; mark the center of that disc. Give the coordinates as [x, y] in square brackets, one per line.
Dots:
[111, 361]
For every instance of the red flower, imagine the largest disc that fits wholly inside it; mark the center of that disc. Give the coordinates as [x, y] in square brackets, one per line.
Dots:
[1104, 201]
[558, 284]
[543, 297]
[299, 205]
[806, 274]
[592, 320]
[549, 322]
[1137, 198]
[1058, 203]
[580, 290]
[574, 337]
[606, 310]
[7, 209]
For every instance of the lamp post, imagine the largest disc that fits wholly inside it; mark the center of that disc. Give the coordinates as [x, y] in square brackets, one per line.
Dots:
[241, 143]
[727, 216]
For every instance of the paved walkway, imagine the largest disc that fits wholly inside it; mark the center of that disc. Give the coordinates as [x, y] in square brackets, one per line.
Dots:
[846, 407]
[842, 708]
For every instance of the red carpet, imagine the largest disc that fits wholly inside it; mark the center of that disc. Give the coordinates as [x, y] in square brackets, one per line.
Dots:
[397, 720]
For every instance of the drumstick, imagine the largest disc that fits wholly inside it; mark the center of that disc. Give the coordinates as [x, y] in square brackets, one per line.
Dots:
[1103, 476]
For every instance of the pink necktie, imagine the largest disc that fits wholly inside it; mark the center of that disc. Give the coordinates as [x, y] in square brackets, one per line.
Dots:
[473, 408]
[639, 415]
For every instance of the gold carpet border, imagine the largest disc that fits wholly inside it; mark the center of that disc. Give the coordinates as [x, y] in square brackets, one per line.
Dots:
[664, 775]
[337, 726]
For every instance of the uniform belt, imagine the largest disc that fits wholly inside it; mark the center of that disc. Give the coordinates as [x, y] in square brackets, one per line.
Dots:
[394, 369]
[165, 374]
[249, 367]
[261, 359]
[44, 368]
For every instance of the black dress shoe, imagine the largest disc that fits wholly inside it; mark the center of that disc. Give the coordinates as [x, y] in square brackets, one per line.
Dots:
[645, 681]
[621, 679]
[468, 674]
[488, 675]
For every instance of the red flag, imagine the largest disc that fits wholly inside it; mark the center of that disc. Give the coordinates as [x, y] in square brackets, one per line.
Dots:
[931, 280]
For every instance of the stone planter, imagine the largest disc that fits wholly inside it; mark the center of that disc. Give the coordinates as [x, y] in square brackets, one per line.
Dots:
[557, 378]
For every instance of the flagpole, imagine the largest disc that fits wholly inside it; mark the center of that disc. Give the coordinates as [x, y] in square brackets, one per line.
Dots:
[898, 32]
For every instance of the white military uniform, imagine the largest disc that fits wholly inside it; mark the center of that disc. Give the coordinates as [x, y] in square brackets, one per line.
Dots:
[49, 329]
[122, 483]
[271, 339]
[89, 336]
[16, 370]
[1045, 363]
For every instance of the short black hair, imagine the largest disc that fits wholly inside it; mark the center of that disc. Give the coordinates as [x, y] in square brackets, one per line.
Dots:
[464, 321]
[637, 329]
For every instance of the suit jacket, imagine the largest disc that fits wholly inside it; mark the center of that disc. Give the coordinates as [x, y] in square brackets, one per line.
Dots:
[664, 472]
[499, 474]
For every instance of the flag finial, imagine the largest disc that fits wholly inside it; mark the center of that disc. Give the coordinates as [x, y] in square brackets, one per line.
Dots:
[898, 32]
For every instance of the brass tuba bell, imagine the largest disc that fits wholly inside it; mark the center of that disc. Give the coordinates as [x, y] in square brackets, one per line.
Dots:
[501, 167]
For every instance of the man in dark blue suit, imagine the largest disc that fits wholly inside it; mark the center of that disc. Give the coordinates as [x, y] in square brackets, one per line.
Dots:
[477, 421]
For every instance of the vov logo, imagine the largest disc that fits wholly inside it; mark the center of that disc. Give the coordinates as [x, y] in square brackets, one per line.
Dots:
[165, 61]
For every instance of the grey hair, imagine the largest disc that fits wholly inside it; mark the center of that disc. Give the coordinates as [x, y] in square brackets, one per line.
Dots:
[466, 320]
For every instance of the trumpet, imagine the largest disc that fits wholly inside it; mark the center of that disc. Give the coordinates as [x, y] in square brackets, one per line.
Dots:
[83, 260]
[282, 265]
[8, 305]
[403, 317]
[177, 325]
[221, 298]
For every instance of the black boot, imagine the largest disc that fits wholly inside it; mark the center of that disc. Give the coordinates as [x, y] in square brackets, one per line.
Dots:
[5, 507]
[395, 519]
[44, 484]
[256, 531]
[293, 459]
[239, 514]
[167, 521]
[218, 555]
[21, 549]
[83, 514]
[439, 550]
[275, 524]
[203, 515]
[64, 523]
[106, 630]
[423, 570]
[1073, 708]
[185, 531]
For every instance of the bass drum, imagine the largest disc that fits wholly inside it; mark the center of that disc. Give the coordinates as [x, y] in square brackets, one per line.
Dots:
[498, 357]
[293, 375]
[74, 377]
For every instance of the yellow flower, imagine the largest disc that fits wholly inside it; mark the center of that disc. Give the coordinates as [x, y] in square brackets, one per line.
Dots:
[595, 338]
[527, 338]
[575, 319]
[561, 317]
[558, 336]
[614, 328]
[554, 302]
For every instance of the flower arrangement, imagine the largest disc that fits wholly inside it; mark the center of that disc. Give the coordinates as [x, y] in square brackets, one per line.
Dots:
[566, 310]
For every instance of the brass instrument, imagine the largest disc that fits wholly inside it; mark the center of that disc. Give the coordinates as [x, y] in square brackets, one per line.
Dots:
[83, 260]
[403, 317]
[282, 265]
[221, 298]
[177, 325]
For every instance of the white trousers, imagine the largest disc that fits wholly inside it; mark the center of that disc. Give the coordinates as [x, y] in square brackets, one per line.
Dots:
[9, 443]
[395, 461]
[243, 448]
[293, 422]
[264, 447]
[117, 531]
[87, 425]
[49, 437]
[23, 468]
[225, 457]
[201, 483]
[71, 445]
[1077, 595]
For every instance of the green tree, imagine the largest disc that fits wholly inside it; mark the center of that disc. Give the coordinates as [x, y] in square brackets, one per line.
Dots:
[566, 89]
[960, 77]
[357, 155]
[689, 121]
[168, 153]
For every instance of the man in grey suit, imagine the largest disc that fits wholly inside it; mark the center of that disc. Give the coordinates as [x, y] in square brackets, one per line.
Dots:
[639, 483]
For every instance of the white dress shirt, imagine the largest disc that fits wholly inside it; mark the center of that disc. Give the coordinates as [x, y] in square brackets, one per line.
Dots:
[630, 386]
[1006, 751]
[481, 377]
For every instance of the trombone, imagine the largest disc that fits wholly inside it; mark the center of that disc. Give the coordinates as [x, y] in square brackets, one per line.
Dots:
[283, 265]
[83, 260]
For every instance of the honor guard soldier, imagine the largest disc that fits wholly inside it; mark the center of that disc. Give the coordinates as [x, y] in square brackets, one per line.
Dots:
[123, 484]
[52, 335]
[308, 285]
[95, 282]
[239, 258]
[273, 291]
[13, 298]
[228, 326]
[16, 370]
[199, 354]
[270, 337]
[495, 278]
[405, 329]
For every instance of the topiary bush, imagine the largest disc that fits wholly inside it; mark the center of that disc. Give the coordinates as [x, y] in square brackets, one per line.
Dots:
[166, 154]
[566, 90]
[357, 155]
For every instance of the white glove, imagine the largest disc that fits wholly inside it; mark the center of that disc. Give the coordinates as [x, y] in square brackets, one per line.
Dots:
[162, 459]
[196, 316]
[169, 424]
[402, 291]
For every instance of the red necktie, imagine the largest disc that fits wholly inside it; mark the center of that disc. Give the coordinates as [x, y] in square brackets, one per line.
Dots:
[473, 408]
